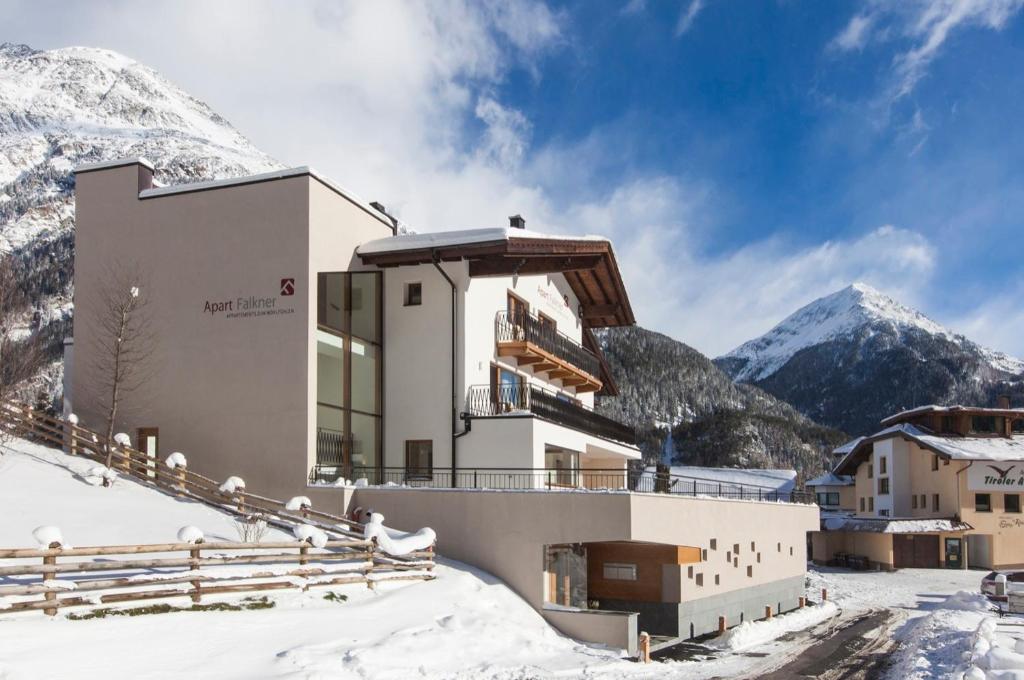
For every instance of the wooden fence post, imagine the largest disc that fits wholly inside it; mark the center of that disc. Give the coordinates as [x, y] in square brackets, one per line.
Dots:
[824, 595]
[27, 425]
[645, 647]
[180, 472]
[767, 611]
[803, 602]
[721, 625]
[369, 569]
[303, 554]
[194, 565]
[240, 499]
[48, 574]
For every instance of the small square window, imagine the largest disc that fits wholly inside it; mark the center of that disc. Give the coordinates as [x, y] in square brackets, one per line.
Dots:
[753, 546]
[935, 502]
[717, 580]
[750, 571]
[759, 558]
[413, 294]
[1012, 502]
[871, 470]
[728, 556]
[790, 551]
[736, 548]
[883, 486]
[689, 572]
[735, 562]
[700, 580]
[714, 544]
[882, 465]
[704, 554]
[924, 502]
[913, 502]
[983, 502]
[935, 463]
[871, 503]
[884, 512]
[862, 503]
[779, 547]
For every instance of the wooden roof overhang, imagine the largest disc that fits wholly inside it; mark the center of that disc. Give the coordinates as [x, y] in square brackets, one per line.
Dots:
[588, 265]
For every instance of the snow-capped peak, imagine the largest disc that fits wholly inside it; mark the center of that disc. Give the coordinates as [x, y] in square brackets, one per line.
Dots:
[838, 315]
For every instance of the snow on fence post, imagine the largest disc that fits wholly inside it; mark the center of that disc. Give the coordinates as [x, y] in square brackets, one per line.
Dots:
[644, 653]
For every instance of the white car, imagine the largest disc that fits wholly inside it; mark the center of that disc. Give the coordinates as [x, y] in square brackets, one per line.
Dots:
[1014, 583]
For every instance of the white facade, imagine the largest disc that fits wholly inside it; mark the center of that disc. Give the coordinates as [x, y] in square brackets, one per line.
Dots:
[418, 370]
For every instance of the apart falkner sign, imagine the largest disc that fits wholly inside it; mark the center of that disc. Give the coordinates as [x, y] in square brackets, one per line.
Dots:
[991, 476]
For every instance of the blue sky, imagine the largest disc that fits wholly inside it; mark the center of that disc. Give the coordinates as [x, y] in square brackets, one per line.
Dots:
[746, 156]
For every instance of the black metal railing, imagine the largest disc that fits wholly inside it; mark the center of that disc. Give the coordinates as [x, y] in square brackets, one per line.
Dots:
[562, 479]
[330, 445]
[524, 327]
[512, 398]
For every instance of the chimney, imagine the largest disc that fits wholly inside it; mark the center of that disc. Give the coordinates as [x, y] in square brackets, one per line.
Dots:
[1003, 401]
[517, 222]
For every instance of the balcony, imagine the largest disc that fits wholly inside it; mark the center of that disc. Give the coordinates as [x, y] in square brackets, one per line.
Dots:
[511, 399]
[548, 352]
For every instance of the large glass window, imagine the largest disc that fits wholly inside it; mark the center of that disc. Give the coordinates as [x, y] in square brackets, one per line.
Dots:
[348, 374]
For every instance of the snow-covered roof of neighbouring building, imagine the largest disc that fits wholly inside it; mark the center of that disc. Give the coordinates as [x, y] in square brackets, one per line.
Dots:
[954, 447]
[830, 479]
[776, 480]
[893, 526]
[463, 237]
[935, 408]
[848, 446]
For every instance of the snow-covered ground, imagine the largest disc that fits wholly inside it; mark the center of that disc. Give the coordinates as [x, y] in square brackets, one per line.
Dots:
[464, 624]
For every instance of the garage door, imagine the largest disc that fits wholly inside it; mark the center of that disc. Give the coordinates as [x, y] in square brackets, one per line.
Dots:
[919, 551]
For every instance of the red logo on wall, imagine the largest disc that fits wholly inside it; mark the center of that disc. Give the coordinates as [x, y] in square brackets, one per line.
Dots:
[287, 286]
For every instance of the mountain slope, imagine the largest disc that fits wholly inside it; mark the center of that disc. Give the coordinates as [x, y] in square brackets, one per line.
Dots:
[666, 386]
[853, 357]
[60, 108]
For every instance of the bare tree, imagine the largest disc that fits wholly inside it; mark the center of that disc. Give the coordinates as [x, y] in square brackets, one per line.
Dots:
[124, 341]
[21, 355]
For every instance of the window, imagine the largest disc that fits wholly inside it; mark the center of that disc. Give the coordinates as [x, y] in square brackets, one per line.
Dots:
[935, 502]
[862, 503]
[935, 463]
[750, 571]
[948, 424]
[548, 326]
[704, 554]
[508, 390]
[717, 579]
[1011, 502]
[714, 544]
[983, 502]
[736, 548]
[871, 503]
[619, 571]
[518, 309]
[413, 294]
[984, 424]
[689, 572]
[871, 470]
[419, 459]
[882, 466]
[913, 502]
[348, 374]
[883, 486]
[700, 580]
[883, 512]
[828, 498]
[924, 502]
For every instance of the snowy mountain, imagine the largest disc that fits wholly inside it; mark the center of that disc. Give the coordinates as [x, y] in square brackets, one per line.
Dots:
[850, 358]
[688, 411]
[63, 107]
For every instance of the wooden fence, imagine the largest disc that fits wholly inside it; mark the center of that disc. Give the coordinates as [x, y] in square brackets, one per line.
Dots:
[295, 565]
[190, 570]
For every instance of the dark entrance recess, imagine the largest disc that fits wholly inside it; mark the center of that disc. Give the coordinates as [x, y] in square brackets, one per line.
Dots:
[918, 551]
[954, 553]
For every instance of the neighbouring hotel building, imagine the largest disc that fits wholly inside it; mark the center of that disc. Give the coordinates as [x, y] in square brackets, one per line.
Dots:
[938, 486]
[302, 342]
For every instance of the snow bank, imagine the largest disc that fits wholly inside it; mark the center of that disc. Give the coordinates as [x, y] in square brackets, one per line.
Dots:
[396, 542]
[752, 633]
[47, 535]
[297, 503]
[190, 534]
[176, 460]
[101, 475]
[990, 659]
[73, 419]
[310, 534]
[232, 484]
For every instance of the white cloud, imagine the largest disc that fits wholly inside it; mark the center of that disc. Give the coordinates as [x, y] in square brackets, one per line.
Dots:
[633, 7]
[997, 320]
[507, 135]
[688, 16]
[926, 25]
[855, 35]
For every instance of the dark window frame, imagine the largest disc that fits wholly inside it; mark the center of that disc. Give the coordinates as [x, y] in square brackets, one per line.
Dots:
[983, 506]
[1016, 503]
[412, 295]
[883, 486]
[416, 473]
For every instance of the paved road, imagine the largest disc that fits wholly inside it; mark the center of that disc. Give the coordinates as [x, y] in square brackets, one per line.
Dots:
[856, 651]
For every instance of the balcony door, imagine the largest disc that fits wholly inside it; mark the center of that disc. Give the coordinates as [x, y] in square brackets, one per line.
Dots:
[508, 390]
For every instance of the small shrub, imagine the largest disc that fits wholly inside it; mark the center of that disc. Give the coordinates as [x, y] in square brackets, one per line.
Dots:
[332, 596]
[251, 528]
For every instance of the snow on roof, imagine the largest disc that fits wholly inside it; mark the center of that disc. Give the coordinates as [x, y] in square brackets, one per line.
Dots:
[777, 480]
[104, 165]
[234, 181]
[830, 479]
[956, 408]
[848, 446]
[444, 239]
[893, 526]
